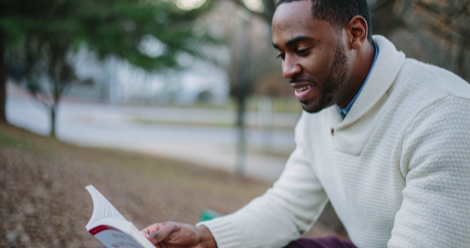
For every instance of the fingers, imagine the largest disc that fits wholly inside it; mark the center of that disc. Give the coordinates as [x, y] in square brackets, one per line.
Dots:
[160, 232]
[151, 229]
[172, 234]
[166, 232]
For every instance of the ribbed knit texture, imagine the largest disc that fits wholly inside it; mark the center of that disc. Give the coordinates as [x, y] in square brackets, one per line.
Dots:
[396, 170]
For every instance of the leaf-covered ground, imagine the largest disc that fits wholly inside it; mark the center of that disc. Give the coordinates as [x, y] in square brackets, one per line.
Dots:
[44, 203]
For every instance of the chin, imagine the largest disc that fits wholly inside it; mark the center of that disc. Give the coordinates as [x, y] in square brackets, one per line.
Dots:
[316, 106]
[311, 108]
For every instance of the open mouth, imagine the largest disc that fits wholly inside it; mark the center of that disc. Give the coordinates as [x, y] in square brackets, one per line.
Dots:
[302, 92]
[304, 88]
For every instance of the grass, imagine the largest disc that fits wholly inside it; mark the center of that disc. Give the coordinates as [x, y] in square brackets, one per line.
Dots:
[43, 201]
[279, 105]
[204, 124]
[14, 143]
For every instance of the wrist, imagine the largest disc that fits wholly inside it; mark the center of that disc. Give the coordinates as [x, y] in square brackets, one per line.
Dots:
[206, 238]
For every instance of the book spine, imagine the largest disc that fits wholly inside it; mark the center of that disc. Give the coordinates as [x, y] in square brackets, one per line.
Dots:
[101, 228]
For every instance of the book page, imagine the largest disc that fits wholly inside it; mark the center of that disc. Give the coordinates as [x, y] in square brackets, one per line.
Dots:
[114, 238]
[102, 208]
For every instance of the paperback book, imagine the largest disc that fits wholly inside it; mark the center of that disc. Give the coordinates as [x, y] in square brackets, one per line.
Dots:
[110, 227]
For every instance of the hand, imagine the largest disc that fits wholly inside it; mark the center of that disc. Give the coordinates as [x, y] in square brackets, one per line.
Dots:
[175, 235]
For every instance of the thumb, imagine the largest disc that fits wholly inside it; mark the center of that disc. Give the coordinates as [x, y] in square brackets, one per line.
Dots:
[164, 232]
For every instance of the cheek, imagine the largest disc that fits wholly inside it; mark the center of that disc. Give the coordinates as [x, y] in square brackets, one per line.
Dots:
[321, 62]
[318, 67]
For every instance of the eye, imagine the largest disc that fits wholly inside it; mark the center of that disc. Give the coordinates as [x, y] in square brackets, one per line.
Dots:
[280, 55]
[302, 52]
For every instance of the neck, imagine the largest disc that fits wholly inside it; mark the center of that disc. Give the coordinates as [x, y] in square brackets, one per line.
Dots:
[360, 68]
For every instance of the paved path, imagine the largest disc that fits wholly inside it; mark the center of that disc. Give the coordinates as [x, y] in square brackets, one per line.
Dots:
[133, 128]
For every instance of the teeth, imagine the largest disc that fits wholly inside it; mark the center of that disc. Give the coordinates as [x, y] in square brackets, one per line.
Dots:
[304, 88]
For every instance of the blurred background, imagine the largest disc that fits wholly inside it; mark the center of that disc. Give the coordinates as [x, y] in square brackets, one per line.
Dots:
[181, 99]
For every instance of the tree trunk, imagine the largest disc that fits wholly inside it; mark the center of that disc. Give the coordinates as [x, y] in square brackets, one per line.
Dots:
[241, 143]
[56, 95]
[243, 92]
[3, 83]
[53, 112]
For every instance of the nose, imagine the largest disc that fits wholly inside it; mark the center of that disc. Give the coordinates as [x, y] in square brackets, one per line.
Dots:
[290, 67]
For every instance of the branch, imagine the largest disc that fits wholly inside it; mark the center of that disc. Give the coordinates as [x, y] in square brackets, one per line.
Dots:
[446, 21]
[40, 100]
[434, 11]
[448, 36]
[439, 13]
[62, 88]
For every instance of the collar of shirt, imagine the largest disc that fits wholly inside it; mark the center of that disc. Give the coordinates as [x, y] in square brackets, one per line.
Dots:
[343, 112]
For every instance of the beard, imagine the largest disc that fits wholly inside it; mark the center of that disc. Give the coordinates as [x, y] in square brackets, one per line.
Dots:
[334, 82]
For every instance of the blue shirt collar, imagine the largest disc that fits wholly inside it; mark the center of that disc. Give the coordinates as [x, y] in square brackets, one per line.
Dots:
[343, 112]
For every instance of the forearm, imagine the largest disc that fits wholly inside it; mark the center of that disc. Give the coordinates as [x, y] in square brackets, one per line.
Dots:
[281, 215]
[277, 217]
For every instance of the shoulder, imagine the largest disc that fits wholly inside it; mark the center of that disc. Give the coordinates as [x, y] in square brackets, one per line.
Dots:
[436, 79]
[420, 87]
[445, 80]
[431, 93]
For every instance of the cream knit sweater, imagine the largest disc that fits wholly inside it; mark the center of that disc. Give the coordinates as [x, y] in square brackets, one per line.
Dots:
[396, 169]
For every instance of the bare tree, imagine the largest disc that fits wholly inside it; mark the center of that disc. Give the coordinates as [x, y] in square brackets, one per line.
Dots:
[3, 79]
[41, 67]
[441, 27]
[115, 28]
[249, 50]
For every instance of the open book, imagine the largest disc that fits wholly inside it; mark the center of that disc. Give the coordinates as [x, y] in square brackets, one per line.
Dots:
[110, 227]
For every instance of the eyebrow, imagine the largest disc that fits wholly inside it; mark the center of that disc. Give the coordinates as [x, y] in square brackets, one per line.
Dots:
[294, 41]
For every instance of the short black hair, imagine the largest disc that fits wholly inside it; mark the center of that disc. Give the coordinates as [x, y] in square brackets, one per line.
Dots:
[339, 12]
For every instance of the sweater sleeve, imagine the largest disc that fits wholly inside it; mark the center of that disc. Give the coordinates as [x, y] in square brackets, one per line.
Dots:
[435, 162]
[281, 215]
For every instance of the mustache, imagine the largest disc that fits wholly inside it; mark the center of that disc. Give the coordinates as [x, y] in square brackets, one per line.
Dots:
[301, 80]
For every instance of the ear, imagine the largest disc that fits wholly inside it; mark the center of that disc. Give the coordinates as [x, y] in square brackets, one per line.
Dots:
[356, 32]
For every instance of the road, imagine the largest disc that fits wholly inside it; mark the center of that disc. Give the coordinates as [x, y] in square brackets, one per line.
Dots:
[143, 129]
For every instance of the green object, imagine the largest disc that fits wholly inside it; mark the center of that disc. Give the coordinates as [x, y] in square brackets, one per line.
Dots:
[208, 214]
[108, 27]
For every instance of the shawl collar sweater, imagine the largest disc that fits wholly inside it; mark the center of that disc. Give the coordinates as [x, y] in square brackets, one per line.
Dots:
[396, 169]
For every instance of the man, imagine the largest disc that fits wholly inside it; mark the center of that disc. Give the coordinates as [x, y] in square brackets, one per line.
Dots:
[385, 139]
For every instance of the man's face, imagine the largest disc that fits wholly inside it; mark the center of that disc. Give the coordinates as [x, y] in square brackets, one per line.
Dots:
[312, 53]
